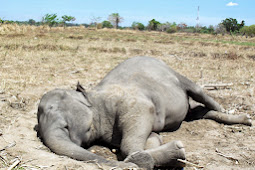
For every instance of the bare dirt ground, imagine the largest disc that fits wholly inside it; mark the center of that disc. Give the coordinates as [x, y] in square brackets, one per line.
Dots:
[36, 60]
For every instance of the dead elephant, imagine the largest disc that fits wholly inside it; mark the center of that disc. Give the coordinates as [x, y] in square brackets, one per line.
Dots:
[127, 109]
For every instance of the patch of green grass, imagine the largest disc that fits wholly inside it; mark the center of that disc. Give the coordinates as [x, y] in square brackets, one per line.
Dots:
[241, 43]
[236, 43]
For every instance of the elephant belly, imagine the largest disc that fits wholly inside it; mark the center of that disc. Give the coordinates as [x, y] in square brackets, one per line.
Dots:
[176, 107]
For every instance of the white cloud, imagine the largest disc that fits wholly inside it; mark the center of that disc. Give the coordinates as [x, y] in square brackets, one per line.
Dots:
[232, 4]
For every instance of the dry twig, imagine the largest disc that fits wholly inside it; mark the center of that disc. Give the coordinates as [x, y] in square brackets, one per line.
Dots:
[216, 86]
[3, 160]
[226, 156]
[95, 162]
[9, 146]
[189, 163]
[14, 164]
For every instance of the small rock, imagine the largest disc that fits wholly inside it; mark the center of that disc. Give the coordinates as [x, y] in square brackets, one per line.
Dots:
[231, 111]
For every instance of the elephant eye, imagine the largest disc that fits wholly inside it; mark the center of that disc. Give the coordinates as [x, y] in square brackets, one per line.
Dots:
[66, 127]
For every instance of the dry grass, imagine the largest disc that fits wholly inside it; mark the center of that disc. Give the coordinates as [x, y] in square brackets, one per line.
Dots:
[34, 60]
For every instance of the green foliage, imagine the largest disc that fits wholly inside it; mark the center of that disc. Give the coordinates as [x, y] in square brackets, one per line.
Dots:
[153, 24]
[172, 29]
[248, 30]
[205, 30]
[138, 26]
[50, 19]
[66, 18]
[31, 22]
[115, 19]
[164, 26]
[107, 24]
[1, 21]
[232, 25]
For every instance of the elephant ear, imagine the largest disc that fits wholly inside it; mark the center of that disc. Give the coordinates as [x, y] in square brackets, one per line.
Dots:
[79, 88]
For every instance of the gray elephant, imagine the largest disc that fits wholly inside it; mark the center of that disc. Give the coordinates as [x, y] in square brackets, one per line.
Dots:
[134, 102]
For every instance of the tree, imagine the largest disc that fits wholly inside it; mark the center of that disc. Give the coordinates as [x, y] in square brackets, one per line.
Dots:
[94, 21]
[67, 18]
[181, 26]
[1, 21]
[31, 22]
[163, 26]
[50, 19]
[220, 29]
[172, 29]
[107, 24]
[248, 30]
[153, 24]
[232, 25]
[138, 26]
[115, 19]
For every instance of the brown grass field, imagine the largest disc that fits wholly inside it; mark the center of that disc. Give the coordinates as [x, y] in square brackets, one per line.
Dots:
[34, 60]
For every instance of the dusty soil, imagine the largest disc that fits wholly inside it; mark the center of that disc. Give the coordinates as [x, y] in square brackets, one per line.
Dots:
[28, 70]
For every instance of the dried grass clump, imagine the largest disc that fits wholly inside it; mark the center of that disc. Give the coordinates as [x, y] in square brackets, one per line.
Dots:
[198, 54]
[232, 55]
[156, 53]
[130, 40]
[136, 51]
[252, 57]
[106, 50]
[38, 47]
[76, 37]
[7, 29]
[164, 42]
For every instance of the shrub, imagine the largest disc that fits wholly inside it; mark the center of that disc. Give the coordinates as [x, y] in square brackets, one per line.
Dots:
[138, 26]
[220, 29]
[248, 30]
[107, 24]
[172, 29]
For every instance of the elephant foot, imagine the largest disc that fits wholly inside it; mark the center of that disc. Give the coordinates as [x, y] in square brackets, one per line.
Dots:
[246, 119]
[166, 155]
[141, 159]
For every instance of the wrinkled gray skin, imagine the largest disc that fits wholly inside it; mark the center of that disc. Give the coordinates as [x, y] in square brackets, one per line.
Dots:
[136, 100]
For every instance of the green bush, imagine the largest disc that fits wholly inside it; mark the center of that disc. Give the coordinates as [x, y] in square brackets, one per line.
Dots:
[138, 26]
[172, 29]
[107, 24]
[248, 30]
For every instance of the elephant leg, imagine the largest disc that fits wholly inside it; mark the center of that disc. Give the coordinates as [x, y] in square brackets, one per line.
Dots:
[163, 155]
[153, 141]
[201, 112]
[137, 126]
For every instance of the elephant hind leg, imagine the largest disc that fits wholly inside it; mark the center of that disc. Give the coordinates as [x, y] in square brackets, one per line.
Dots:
[201, 112]
[228, 118]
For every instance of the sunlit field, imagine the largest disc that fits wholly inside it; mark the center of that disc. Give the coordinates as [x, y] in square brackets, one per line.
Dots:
[34, 60]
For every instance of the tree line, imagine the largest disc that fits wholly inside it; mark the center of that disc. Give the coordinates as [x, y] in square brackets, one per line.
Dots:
[229, 25]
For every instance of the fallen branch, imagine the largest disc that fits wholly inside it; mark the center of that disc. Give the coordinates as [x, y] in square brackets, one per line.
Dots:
[2, 159]
[189, 163]
[176, 57]
[35, 166]
[14, 164]
[95, 162]
[226, 156]
[9, 146]
[216, 86]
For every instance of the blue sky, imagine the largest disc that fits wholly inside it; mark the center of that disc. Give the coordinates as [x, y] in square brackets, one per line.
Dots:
[211, 12]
